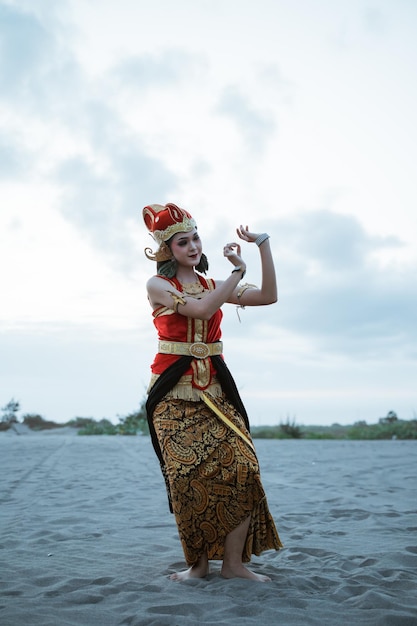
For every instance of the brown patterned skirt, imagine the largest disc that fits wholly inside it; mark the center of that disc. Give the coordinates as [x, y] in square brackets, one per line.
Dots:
[214, 479]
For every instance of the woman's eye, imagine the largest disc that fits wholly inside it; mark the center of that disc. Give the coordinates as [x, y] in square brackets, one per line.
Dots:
[184, 242]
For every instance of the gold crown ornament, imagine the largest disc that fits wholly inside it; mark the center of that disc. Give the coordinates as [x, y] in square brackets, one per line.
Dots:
[162, 223]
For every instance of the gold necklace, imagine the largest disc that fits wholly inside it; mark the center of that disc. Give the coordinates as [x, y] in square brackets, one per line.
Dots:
[192, 289]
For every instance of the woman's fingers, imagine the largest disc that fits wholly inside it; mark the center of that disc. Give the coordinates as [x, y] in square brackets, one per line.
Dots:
[232, 247]
[245, 234]
[232, 252]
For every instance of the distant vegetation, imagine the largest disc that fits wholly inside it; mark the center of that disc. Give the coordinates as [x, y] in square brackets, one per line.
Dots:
[131, 424]
[389, 427]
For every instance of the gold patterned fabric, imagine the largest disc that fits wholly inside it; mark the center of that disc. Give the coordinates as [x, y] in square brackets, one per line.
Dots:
[213, 478]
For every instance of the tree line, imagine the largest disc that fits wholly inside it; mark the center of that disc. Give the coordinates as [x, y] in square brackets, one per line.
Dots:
[388, 427]
[132, 424]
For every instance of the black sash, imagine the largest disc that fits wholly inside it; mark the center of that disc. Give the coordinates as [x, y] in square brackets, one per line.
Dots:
[169, 378]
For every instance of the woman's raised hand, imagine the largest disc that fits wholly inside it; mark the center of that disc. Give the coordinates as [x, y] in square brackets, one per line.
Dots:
[232, 252]
[245, 234]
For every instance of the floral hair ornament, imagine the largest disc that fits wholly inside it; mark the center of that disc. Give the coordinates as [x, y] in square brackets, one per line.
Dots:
[163, 222]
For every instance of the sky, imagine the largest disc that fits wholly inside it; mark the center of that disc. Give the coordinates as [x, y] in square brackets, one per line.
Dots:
[296, 118]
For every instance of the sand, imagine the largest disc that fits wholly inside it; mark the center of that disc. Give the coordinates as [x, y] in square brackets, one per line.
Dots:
[86, 537]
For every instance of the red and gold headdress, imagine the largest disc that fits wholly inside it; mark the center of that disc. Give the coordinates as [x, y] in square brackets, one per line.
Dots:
[163, 222]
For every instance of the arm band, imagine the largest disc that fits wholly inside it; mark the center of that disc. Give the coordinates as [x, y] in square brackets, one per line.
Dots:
[177, 300]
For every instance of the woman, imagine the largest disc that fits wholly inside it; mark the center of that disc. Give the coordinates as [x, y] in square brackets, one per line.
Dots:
[198, 424]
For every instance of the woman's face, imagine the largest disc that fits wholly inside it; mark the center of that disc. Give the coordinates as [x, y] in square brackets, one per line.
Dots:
[187, 248]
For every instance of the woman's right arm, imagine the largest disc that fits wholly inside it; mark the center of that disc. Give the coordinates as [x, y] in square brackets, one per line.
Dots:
[161, 293]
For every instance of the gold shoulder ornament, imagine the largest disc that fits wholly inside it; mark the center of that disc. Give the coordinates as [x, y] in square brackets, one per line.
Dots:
[177, 299]
[240, 293]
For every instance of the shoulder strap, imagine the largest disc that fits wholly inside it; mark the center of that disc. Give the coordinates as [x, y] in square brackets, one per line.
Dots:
[208, 283]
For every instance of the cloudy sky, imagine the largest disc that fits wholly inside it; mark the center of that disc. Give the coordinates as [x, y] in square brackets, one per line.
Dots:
[295, 117]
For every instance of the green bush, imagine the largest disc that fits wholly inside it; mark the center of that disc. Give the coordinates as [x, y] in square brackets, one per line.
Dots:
[290, 430]
[81, 422]
[134, 423]
[131, 424]
[397, 429]
[37, 422]
[387, 428]
[103, 427]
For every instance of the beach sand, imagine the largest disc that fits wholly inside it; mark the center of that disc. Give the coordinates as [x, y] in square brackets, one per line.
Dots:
[87, 538]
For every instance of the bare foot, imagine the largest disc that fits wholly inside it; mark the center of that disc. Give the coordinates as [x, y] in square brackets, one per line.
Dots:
[199, 570]
[240, 571]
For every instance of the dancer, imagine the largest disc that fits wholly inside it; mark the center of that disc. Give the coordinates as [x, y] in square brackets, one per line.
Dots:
[198, 423]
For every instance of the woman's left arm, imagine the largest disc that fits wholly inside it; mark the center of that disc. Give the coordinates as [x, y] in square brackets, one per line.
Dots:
[268, 292]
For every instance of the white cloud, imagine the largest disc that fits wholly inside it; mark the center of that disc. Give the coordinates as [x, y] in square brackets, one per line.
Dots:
[254, 126]
[50, 274]
[337, 292]
[296, 119]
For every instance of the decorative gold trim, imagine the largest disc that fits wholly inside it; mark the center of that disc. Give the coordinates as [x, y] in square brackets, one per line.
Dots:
[177, 299]
[192, 289]
[197, 349]
[162, 254]
[243, 288]
[185, 226]
[164, 310]
[226, 420]
[184, 389]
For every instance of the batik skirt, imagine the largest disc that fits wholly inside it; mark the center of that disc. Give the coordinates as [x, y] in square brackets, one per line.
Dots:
[214, 479]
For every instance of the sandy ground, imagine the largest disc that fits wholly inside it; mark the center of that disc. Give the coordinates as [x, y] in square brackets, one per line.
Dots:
[86, 537]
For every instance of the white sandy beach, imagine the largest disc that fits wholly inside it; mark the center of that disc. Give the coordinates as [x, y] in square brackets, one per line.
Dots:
[87, 539]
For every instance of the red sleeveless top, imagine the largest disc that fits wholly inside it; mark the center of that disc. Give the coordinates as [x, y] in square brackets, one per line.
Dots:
[172, 326]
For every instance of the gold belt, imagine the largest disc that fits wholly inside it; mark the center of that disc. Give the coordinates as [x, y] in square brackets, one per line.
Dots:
[198, 349]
